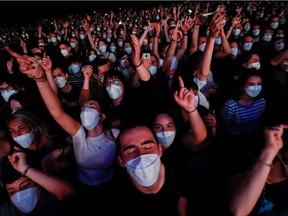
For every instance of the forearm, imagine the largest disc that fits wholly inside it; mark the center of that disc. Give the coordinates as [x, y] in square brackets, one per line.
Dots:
[245, 194]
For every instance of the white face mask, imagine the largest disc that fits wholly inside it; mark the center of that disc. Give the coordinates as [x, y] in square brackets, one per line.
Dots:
[60, 82]
[255, 65]
[102, 49]
[234, 51]
[247, 28]
[279, 46]
[122, 63]
[89, 118]
[114, 91]
[91, 57]
[202, 47]
[274, 25]
[53, 39]
[25, 140]
[153, 70]
[236, 31]
[218, 41]
[75, 68]
[128, 50]
[166, 138]
[253, 91]
[82, 36]
[7, 93]
[26, 200]
[267, 37]
[151, 46]
[112, 48]
[73, 45]
[64, 52]
[247, 46]
[256, 32]
[120, 44]
[145, 42]
[144, 169]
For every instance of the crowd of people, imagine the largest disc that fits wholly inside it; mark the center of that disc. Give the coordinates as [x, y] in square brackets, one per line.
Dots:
[175, 109]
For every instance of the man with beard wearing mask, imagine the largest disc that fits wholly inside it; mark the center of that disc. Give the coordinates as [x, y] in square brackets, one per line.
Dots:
[32, 191]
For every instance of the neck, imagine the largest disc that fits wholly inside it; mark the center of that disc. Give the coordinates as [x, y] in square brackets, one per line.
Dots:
[67, 88]
[98, 130]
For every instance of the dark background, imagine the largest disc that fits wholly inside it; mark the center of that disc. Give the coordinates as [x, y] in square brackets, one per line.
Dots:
[13, 12]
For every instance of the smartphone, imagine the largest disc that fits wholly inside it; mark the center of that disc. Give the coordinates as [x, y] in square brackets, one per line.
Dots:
[120, 23]
[146, 56]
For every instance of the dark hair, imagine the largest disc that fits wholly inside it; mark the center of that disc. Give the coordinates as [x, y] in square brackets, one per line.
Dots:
[9, 174]
[247, 73]
[118, 146]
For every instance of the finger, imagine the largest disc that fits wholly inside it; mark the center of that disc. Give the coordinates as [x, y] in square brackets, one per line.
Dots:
[181, 83]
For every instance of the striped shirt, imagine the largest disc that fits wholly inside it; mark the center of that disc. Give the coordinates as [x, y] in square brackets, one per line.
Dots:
[242, 118]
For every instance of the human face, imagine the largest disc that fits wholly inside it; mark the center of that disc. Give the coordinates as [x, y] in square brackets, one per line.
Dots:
[57, 72]
[20, 184]
[137, 141]
[4, 86]
[254, 58]
[91, 104]
[252, 81]
[18, 128]
[163, 122]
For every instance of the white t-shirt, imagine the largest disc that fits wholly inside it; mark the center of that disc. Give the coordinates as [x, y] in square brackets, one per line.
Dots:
[95, 156]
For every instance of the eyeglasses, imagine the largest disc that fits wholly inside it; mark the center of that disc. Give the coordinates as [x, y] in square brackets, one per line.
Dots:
[5, 89]
[115, 82]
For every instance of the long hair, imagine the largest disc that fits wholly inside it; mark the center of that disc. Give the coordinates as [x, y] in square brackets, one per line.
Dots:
[41, 130]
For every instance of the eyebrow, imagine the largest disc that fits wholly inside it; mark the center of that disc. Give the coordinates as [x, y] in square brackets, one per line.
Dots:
[129, 146]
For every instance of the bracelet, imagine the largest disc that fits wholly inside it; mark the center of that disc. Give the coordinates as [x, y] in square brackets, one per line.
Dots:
[26, 170]
[188, 112]
[42, 78]
[270, 165]
[184, 34]
[139, 65]
[196, 27]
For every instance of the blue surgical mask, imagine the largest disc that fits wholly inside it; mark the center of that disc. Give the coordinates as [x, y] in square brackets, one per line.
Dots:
[64, 52]
[253, 91]
[25, 140]
[7, 93]
[112, 48]
[234, 51]
[247, 46]
[153, 70]
[128, 50]
[279, 46]
[91, 57]
[73, 45]
[114, 91]
[166, 138]
[27, 199]
[256, 32]
[75, 68]
[202, 47]
[267, 37]
[102, 49]
[82, 36]
[236, 31]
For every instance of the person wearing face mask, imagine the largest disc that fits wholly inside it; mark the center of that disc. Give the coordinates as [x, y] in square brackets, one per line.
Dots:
[93, 143]
[32, 191]
[75, 76]
[32, 136]
[67, 92]
[241, 117]
[147, 183]
[124, 65]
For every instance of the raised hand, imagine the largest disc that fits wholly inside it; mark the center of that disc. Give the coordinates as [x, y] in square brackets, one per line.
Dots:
[184, 97]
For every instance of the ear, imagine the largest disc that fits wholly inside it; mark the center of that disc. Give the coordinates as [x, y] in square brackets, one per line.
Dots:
[66, 76]
[160, 149]
[121, 162]
[102, 116]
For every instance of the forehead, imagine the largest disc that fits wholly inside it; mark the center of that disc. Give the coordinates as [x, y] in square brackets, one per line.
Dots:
[163, 118]
[57, 71]
[92, 103]
[136, 136]
[15, 123]
[254, 79]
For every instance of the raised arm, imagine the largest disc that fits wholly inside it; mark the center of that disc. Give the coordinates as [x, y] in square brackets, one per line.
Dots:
[32, 69]
[47, 66]
[244, 191]
[205, 61]
[141, 70]
[61, 188]
[185, 99]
